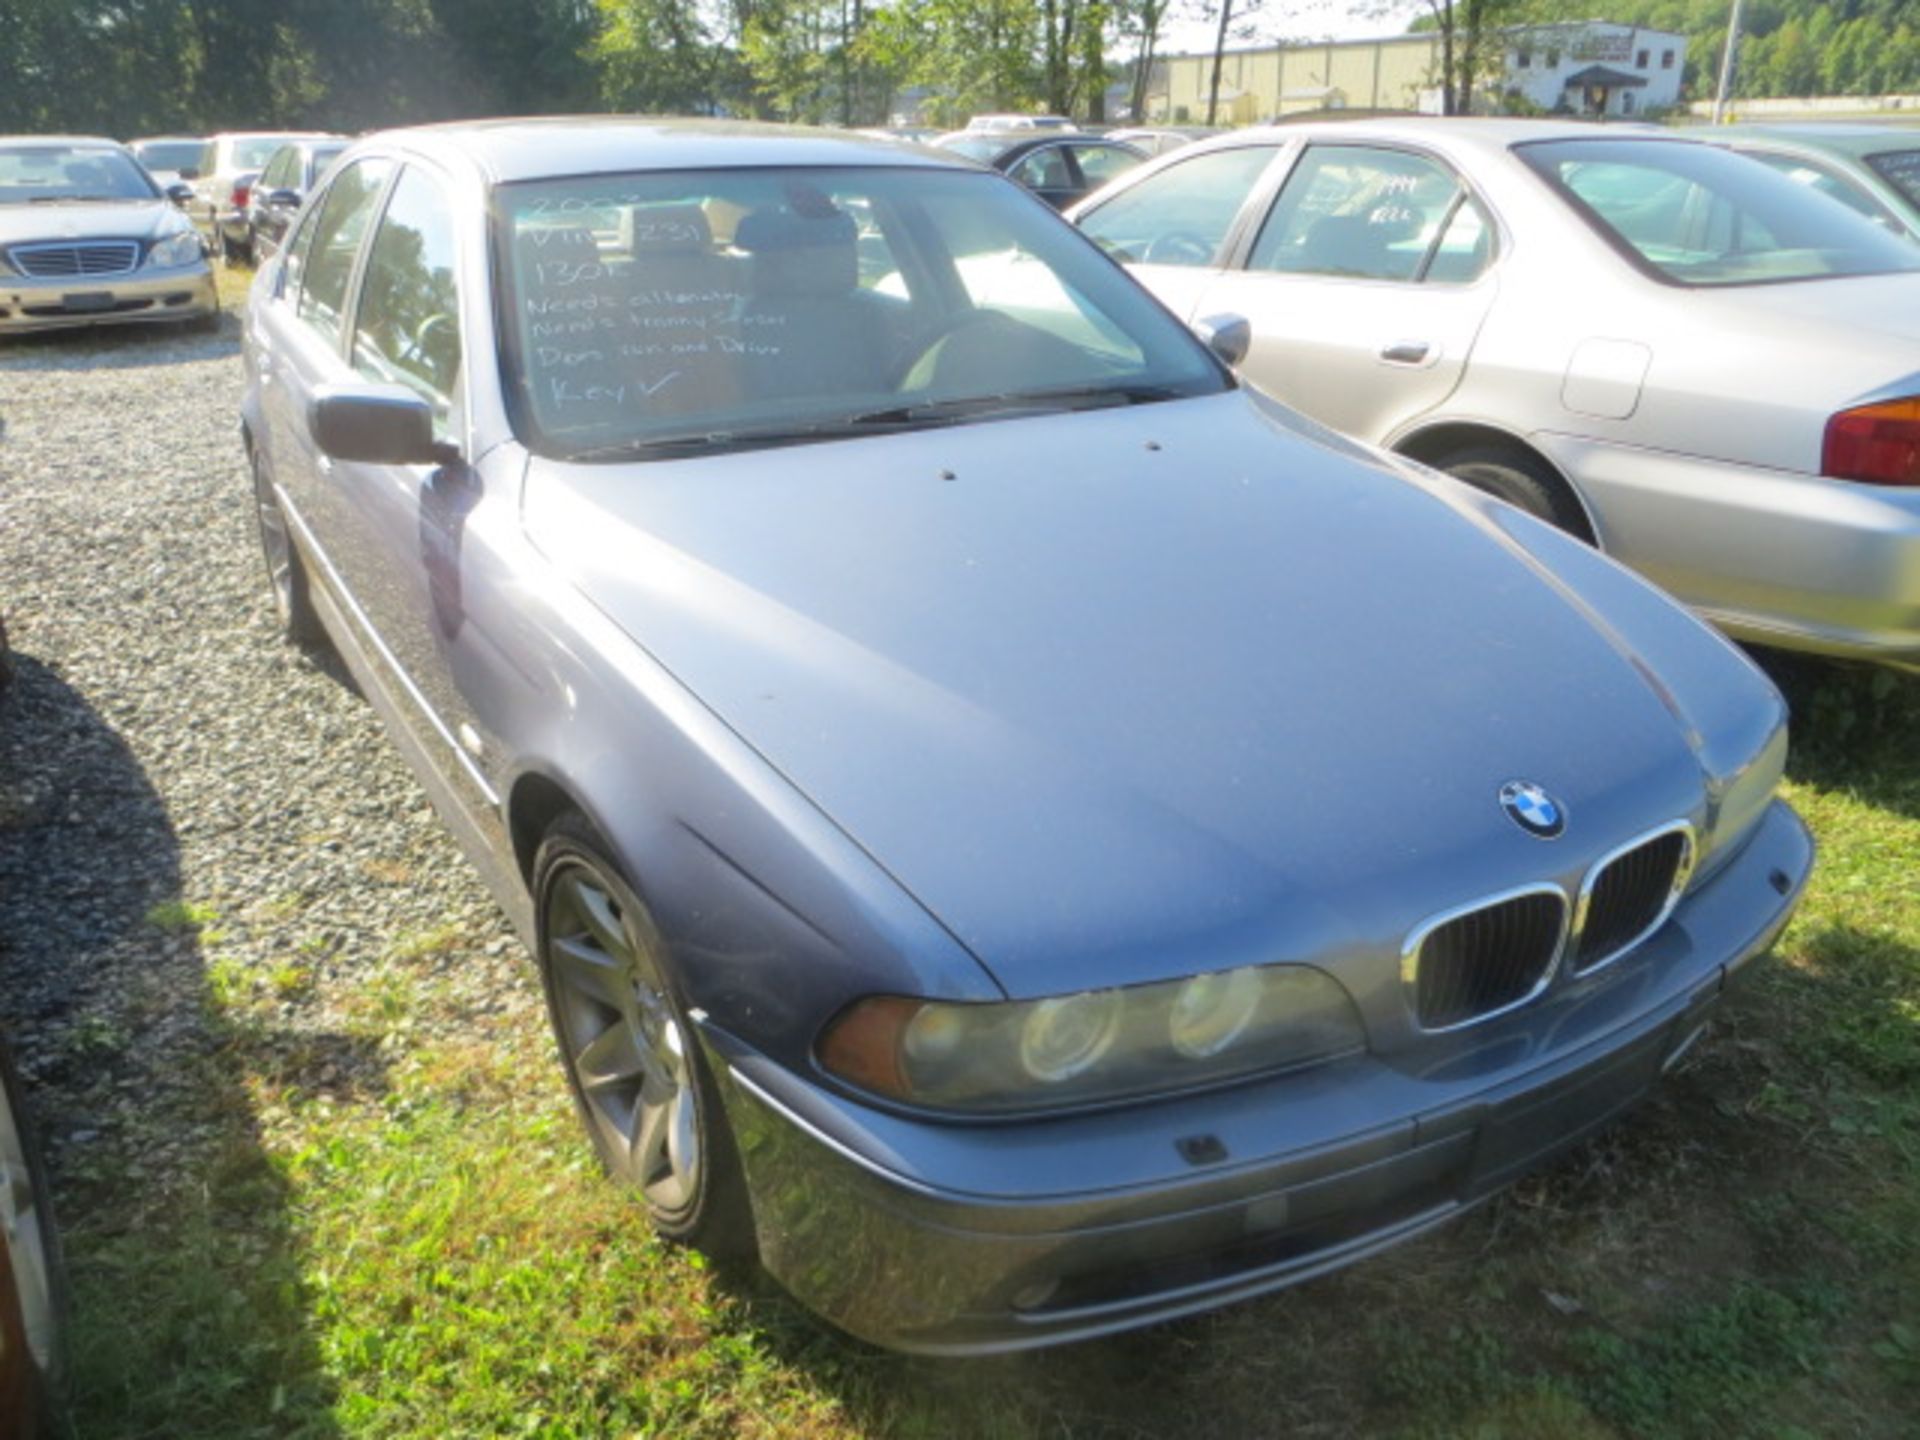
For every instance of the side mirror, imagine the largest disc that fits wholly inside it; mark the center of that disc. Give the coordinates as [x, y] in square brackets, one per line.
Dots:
[1229, 337]
[179, 193]
[376, 425]
[284, 200]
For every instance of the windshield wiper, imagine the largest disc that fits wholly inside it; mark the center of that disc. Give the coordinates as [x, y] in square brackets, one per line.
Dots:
[668, 446]
[1012, 402]
[900, 417]
[75, 199]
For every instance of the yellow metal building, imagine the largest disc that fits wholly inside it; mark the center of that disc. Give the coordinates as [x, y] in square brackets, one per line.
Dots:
[1390, 74]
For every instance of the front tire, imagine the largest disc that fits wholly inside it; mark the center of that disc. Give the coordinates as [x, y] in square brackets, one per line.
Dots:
[639, 1078]
[1522, 480]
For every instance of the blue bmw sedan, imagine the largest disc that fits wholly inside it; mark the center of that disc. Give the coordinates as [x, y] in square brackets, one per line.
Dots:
[1021, 833]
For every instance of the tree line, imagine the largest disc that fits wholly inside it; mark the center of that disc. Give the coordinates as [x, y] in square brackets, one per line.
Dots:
[129, 67]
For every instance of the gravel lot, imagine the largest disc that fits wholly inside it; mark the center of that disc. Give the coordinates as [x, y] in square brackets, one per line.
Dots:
[185, 801]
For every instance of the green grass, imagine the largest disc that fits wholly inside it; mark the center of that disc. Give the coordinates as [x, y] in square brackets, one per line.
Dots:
[421, 1247]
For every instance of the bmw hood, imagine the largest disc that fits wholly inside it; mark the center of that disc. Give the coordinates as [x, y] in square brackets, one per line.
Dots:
[1122, 694]
[101, 220]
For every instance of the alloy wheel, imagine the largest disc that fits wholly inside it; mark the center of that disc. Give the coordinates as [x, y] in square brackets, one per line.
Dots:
[624, 1042]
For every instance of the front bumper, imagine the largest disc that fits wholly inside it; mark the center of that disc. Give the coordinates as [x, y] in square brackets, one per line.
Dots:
[961, 1239]
[1771, 556]
[183, 293]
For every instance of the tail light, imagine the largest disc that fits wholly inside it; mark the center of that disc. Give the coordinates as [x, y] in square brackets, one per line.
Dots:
[1879, 444]
[240, 193]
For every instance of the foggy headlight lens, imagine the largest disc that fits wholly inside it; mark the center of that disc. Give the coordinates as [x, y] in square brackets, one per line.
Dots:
[175, 250]
[1094, 1045]
[1063, 1037]
[1211, 1011]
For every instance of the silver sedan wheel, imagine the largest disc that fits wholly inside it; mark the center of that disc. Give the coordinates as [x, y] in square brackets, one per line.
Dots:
[624, 1043]
[24, 1224]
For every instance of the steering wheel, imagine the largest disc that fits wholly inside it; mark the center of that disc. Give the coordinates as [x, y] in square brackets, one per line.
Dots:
[911, 377]
[436, 343]
[1179, 247]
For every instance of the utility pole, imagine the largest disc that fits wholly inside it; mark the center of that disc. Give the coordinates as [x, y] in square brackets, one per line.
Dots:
[1729, 62]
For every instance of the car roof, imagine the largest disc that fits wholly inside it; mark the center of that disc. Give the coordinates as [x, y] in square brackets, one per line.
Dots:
[59, 142]
[1460, 133]
[551, 146]
[1459, 137]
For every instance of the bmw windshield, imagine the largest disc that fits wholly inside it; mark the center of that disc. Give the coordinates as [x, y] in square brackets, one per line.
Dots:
[667, 312]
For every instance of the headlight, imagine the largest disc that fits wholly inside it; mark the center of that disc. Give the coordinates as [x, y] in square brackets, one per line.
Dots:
[175, 250]
[1093, 1046]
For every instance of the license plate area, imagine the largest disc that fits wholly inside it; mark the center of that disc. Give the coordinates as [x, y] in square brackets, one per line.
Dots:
[87, 302]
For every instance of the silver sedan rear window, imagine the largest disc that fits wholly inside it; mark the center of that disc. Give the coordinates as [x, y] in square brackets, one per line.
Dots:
[1699, 215]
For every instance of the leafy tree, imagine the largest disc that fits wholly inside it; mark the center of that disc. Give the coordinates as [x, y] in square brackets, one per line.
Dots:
[653, 57]
[973, 54]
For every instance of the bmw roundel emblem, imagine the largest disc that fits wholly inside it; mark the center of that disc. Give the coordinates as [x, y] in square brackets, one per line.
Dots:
[1533, 809]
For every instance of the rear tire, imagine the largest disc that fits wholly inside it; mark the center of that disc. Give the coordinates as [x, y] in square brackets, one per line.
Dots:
[639, 1076]
[286, 571]
[1522, 480]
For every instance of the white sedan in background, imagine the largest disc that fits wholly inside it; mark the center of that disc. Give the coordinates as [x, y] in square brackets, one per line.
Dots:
[1669, 349]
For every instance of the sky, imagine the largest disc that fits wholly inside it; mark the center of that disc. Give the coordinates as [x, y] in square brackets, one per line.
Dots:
[1292, 20]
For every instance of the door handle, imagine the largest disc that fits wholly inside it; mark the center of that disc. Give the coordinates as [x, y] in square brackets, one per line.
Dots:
[1406, 352]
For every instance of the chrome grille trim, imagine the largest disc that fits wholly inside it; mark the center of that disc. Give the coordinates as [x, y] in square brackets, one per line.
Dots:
[75, 259]
[1677, 887]
[1410, 954]
[1574, 917]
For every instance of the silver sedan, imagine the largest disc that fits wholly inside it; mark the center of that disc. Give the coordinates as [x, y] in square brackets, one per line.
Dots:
[86, 236]
[1662, 347]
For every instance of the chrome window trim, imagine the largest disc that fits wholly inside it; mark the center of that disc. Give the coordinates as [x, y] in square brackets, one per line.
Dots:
[1417, 938]
[1583, 903]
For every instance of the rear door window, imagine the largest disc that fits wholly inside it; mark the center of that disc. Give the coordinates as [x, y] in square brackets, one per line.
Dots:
[1044, 169]
[1100, 163]
[1372, 214]
[336, 233]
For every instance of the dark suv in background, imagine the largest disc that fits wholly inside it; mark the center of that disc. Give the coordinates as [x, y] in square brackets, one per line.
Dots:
[277, 195]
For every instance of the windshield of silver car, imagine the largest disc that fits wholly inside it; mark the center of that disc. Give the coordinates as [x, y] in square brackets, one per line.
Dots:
[662, 313]
[1699, 215]
[50, 174]
[168, 154]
